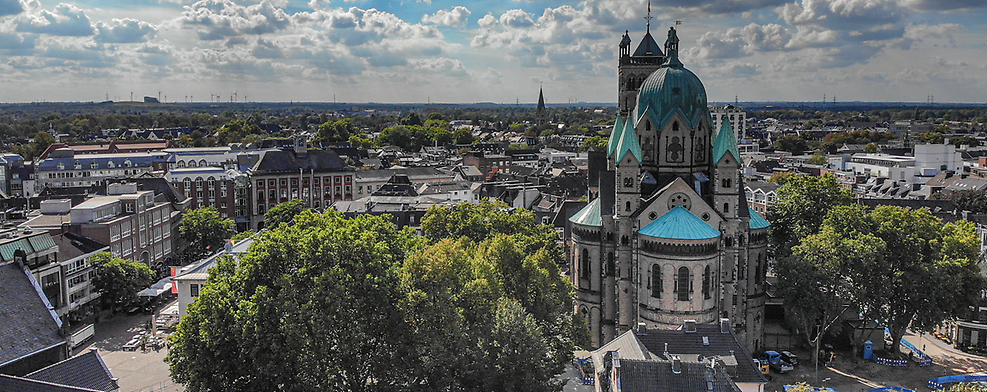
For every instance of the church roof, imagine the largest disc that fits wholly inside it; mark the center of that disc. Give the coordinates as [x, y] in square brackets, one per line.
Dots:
[648, 47]
[618, 130]
[672, 89]
[757, 221]
[589, 215]
[725, 141]
[541, 101]
[680, 224]
[629, 143]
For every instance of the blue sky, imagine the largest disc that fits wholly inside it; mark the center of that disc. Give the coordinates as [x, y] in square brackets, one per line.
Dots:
[485, 51]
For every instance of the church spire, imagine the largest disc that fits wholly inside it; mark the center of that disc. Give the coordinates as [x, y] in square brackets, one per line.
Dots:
[541, 100]
[725, 142]
[649, 17]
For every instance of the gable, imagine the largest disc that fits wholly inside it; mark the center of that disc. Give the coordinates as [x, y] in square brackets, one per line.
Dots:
[678, 192]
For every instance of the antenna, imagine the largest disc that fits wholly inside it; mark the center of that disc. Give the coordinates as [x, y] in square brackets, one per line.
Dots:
[159, 95]
[236, 97]
[131, 96]
[244, 98]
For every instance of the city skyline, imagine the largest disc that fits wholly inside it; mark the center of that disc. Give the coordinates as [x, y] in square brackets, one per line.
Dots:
[463, 52]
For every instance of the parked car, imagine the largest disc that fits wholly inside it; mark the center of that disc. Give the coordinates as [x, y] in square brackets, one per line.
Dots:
[790, 357]
[779, 365]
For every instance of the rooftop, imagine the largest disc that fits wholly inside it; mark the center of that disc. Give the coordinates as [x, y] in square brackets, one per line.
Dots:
[28, 327]
[589, 215]
[82, 371]
[680, 224]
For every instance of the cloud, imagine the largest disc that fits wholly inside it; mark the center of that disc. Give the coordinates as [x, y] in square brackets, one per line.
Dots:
[65, 20]
[124, 31]
[441, 66]
[843, 15]
[486, 21]
[457, 17]
[944, 5]
[921, 32]
[741, 42]
[86, 56]
[220, 19]
[18, 43]
[10, 7]
[267, 50]
[516, 18]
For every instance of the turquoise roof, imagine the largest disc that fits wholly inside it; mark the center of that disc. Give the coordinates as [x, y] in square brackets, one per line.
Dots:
[680, 224]
[757, 221]
[589, 215]
[672, 89]
[618, 130]
[629, 143]
[725, 141]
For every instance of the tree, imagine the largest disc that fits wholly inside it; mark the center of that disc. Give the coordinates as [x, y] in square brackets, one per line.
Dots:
[205, 232]
[118, 281]
[463, 136]
[781, 178]
[969, 200]
[236, 130]
[284, 212]
[479, 221]
[817, 159]
[800, 207]
[931, 137]
[313, 306]
[338, 131]
[792, 144]
[871, 148]
[599, 142]
[914, 271]
[967, 387]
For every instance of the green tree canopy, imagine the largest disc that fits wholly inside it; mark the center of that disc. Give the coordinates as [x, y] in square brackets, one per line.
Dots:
[800, 207]
[871, 148]
[337, 131]
[284, 212]
[118, 280]
[817, 159]
[792, 144]
[599, 142]
[236, 131]
[205, 232]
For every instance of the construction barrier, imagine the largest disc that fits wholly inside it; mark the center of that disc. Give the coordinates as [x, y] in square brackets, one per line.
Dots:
[581, 365]
[936, 384]
[890, 362]
[923, 358]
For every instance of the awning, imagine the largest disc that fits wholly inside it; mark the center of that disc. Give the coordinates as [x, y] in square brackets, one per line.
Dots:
[157, 289]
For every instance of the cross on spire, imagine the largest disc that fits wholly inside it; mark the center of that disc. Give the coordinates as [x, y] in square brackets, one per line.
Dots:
[649, 17]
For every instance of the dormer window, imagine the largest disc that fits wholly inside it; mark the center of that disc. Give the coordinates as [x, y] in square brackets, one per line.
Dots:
[110, 164]
[94, 165]
[78, 165]
[60, 166]
[127, 163]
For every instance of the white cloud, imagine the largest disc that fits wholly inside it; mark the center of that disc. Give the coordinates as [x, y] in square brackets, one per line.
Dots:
[487, 21]
[516, 18]
[65, 20]
[944, 5]
[844, 15]
[457, 17]
[219, 19]
[124, 31]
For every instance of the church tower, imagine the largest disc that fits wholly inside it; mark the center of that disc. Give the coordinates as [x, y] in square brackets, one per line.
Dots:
[669, 238]
[541, 114]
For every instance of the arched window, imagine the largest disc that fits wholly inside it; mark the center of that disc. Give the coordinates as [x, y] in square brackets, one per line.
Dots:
[584, 264]
[78, 165]
[623, 240]
[203, 163]
[212, 182]
[94, 165]
[683, 285]
[656, 283]
[759, 273]
[627, 206]
[191, 163]
[706, 278]
[726, 208]
[675, 126]
[181, 164]
[128, 163]
[111, 164]
[188, 183]
[198, 183]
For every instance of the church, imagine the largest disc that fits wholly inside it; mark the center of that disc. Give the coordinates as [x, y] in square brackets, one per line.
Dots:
[667, 235]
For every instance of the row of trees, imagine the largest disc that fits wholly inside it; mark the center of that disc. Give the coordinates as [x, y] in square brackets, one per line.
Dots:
[903, 268]
[322, 302]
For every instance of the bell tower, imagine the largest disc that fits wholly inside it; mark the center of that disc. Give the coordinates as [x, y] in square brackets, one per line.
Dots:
[634, 68]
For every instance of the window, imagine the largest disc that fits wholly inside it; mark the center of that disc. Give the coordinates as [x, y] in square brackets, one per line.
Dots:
[191, 164]
[706, 278]
[130, 207]
[110, 164]
[198, 183]
[94, 165]
[683, 285]
[610, 264]
[726, 208]
[194, 289]
[181, 164]
[212, 182]
[627, 206]
[284, 182]
[128, 163]
[260, 183]
[656, 284]
[202, 163]
[584, 264]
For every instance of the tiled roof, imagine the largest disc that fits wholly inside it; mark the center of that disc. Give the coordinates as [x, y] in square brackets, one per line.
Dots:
[83, 371]
[680, 224]
[28, 326]
[720, 344]
[589, 215]
[18, 384]
[757, 221]
[282, 161]
[654, 376]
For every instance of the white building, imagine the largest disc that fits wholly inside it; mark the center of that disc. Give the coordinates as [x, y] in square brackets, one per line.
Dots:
[190, 279]
[737, 116]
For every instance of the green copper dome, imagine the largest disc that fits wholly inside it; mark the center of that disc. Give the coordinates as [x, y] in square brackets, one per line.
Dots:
[589, 215]
[680, 224]
[670, 89]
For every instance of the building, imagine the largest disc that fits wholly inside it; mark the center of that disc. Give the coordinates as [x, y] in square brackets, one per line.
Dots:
[136, 225]
[64, 169]
[699, 358]
[541, 114]
[669, 237]
[761, 195]
[317, 177]
[369, 181]
[83, 373]
[737, 117]
[31, 333]
[114, 147]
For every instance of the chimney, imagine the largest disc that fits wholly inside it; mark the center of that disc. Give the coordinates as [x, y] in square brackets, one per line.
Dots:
[690, 326]
[676, 365]
[724, 325]
[666, 350]
[642, 328]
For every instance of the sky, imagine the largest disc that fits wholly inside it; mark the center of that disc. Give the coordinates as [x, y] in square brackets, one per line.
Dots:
[456, 51]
